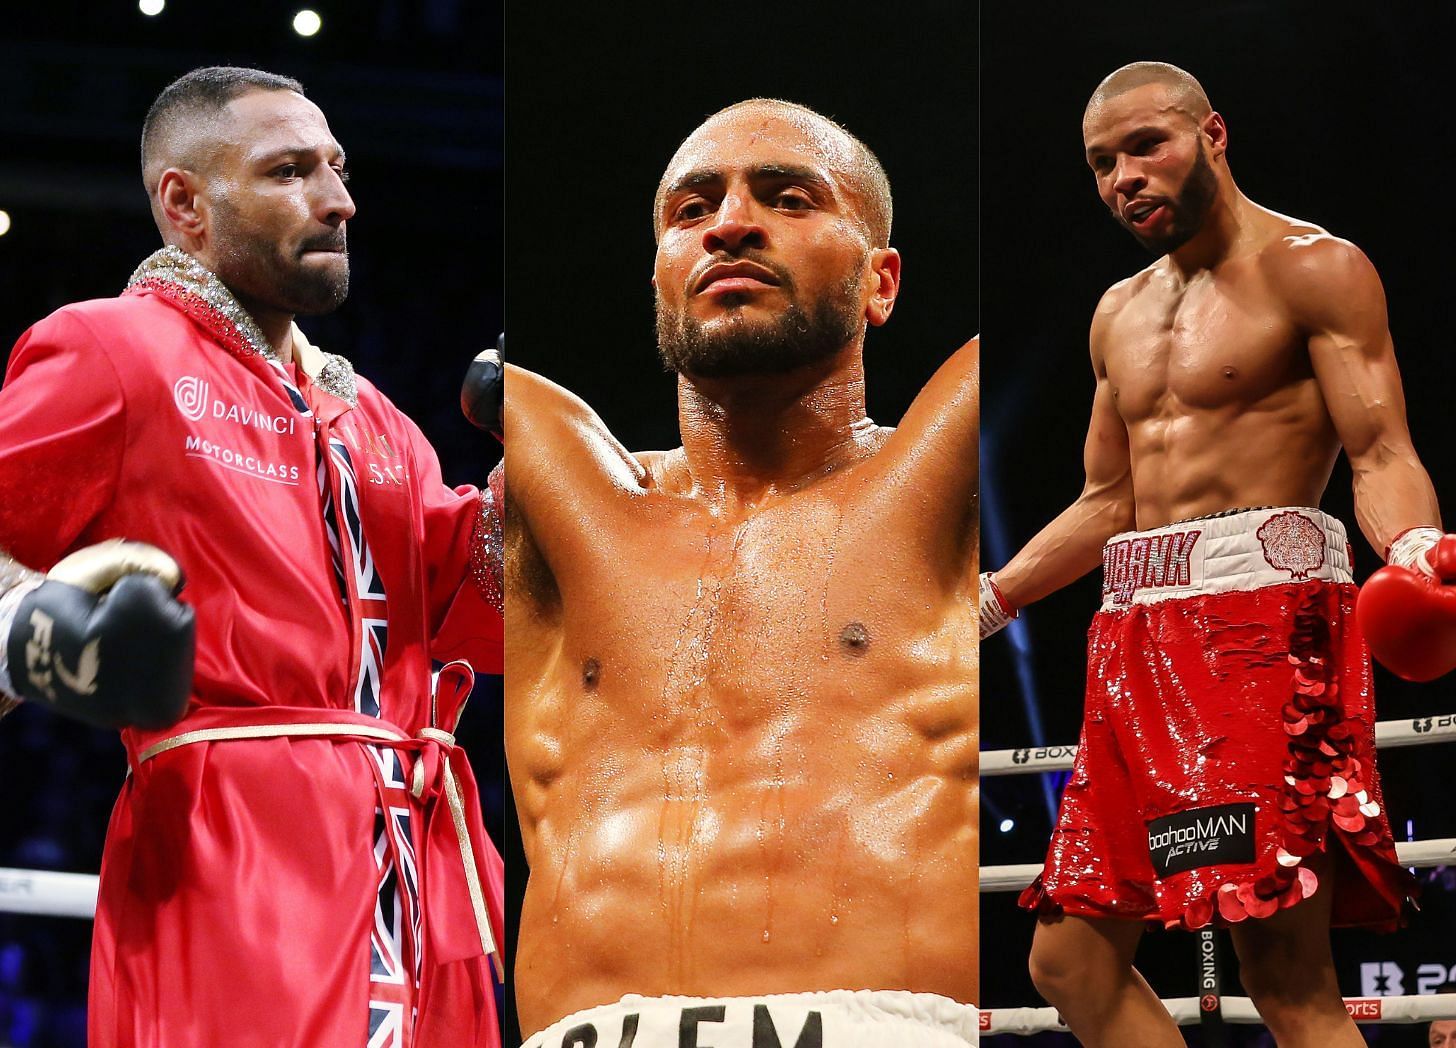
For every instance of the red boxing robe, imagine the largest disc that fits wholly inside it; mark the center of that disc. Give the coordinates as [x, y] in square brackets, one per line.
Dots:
[324, 879]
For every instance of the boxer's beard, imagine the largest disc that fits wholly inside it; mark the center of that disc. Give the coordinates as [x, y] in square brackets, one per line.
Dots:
[1190, 208]
[732, 345]
[264, 271]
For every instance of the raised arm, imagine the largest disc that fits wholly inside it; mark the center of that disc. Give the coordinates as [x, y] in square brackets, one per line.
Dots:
[1338, 299]
[936, 447]
[1071, 545]
[940, 432]
[568, 474]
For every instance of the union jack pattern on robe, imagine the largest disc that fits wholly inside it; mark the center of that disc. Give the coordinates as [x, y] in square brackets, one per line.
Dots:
[394, 953]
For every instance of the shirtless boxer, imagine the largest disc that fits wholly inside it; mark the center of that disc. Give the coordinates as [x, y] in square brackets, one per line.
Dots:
[1226, 685]
[741, 717]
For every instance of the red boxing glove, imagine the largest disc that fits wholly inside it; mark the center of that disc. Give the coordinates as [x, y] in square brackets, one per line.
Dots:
[1409, 617]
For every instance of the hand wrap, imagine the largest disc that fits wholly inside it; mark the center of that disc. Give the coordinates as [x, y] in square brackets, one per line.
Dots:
[996, 614]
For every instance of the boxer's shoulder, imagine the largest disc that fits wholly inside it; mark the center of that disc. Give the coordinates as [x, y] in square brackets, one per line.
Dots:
[107, 319]
[1317, 273]
[1302, 249]
[374, 408]
[1123, 293]
[122, 331]
[1115, 302]
[375, 402]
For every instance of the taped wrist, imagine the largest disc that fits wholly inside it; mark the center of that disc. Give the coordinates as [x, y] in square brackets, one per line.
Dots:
[996, 614]
[1409, 549]
[487, 542]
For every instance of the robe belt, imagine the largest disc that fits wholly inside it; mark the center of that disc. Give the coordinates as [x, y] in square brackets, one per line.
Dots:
[439, 767]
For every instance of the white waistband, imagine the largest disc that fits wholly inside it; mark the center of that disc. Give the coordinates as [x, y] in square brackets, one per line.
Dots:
[830, 1019]
[1246, 550]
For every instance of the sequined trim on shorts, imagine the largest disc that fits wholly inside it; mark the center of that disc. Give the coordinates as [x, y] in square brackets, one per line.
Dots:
[1325, 786]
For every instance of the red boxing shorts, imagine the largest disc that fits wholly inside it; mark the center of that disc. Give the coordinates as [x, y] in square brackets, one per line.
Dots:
[1229, 733]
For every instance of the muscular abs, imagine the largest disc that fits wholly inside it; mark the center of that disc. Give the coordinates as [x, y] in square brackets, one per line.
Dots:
[743, 753]
[1213, 381]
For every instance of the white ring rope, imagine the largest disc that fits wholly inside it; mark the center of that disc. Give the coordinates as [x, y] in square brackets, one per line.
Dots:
[1439, 852]
[47, 893]
[1388, 735]
[1184, 1010]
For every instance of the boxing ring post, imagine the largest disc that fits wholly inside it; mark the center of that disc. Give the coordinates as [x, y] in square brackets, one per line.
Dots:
[1210, 1009]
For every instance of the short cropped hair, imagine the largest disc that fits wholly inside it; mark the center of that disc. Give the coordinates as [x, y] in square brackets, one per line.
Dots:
[198, 95]
[1192, 99]
[867, 174]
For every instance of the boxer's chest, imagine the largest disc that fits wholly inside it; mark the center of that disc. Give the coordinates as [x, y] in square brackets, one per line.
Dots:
[794, 598]
[1217, 342]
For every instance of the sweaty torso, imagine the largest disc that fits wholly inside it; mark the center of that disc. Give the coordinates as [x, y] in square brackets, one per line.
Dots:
[743, 750]
[1212, 377]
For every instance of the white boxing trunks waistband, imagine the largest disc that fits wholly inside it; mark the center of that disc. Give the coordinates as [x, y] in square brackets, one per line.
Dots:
[1242, 550]
[831, 1019]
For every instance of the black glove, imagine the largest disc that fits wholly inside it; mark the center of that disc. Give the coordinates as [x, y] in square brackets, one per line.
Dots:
[483, 394]
[104, 639]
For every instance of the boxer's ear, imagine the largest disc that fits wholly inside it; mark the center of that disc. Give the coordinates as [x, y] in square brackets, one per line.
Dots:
[1216, 131]
[884, 270]
[178, 200]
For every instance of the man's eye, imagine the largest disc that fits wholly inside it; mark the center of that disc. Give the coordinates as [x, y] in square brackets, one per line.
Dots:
[343, 175]
[286, 171]
[690, 210]
[792, 202]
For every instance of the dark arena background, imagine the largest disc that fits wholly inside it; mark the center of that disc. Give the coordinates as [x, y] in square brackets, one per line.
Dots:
[599, 103]
[1338, 114]
[413, 90]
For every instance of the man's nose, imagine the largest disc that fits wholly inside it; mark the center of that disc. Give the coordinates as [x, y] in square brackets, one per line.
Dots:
[735, 227]
[1129, 179]
[333, 205]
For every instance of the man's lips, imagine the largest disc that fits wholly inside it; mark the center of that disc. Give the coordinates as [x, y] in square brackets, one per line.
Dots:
[331, 246]
[1142, 213]
[726, 277]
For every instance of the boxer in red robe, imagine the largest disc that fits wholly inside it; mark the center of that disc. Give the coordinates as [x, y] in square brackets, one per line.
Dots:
[1227, 767]
[300, 859]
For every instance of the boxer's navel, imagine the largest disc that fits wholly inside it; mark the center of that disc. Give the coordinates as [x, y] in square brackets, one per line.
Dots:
[591, 672]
